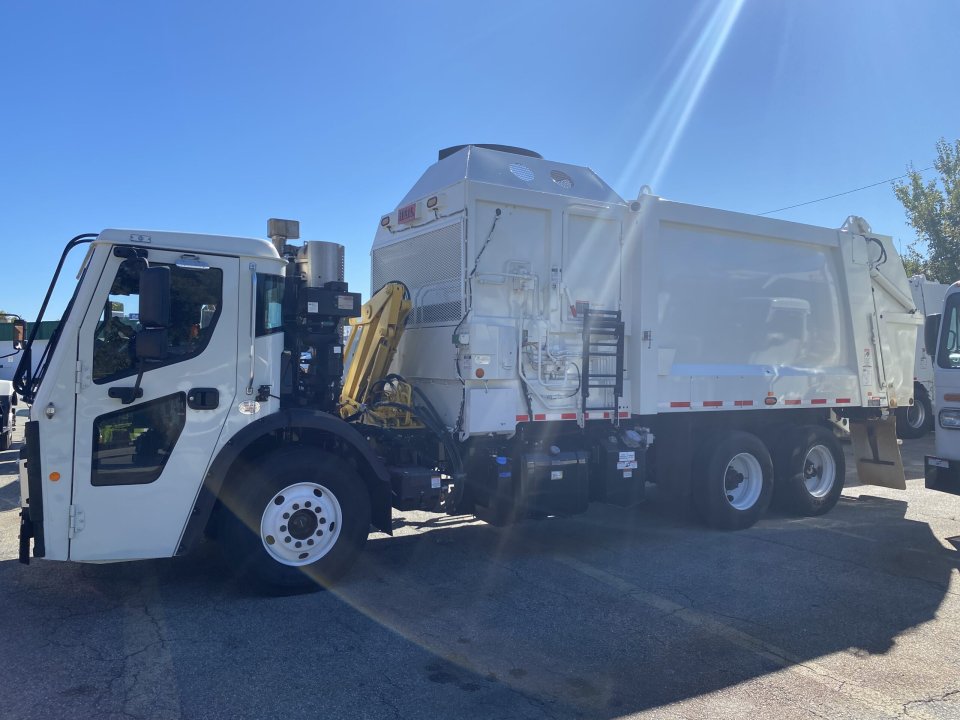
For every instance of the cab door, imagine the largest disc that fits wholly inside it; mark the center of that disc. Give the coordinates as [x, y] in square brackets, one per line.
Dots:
[138, 465]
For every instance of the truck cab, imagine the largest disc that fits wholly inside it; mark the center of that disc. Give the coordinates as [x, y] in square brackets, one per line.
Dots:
[942, 339]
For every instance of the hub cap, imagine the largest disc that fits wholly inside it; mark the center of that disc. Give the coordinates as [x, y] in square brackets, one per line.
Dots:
[743, 481]
[819, 471]
[300, 524]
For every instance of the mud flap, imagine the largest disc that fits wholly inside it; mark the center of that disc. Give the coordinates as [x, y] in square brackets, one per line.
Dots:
[878, 453]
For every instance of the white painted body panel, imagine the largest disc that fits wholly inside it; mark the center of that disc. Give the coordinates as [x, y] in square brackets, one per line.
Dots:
[723, 311]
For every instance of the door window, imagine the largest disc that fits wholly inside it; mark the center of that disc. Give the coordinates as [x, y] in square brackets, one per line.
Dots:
[948, 355]
[131, 445]
[195, 300]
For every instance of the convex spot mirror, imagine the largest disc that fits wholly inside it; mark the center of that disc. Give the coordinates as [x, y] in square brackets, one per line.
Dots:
[19, 333]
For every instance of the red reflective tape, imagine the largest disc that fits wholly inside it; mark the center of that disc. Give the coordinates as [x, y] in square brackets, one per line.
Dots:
[843, 401]
[679, 404]
[818, 401]
[606, 416]
[568, 416]
[523, 418]
[624, 414]
[713, 403]
[792, 402]
[539, 416]
[743, 403]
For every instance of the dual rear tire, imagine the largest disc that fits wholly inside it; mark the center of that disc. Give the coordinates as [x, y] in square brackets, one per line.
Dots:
[737, 477]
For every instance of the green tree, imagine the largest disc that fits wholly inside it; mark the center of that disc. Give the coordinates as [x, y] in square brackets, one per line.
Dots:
[933, 210]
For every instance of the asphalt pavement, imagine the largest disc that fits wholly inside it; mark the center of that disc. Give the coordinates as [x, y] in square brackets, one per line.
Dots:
[615, 613]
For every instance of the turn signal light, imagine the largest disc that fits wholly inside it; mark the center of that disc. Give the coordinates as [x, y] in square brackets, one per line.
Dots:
[54, 476]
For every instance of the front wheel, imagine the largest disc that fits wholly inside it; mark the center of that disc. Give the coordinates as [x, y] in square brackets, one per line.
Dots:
[296, 520]
[810, 470]
[734, 481]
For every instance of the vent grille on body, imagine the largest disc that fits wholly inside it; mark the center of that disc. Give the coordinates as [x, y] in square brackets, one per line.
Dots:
[431, 266]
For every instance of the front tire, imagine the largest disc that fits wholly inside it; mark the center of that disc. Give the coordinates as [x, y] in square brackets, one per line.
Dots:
[296, 520]
[734, 481]
[810, 470]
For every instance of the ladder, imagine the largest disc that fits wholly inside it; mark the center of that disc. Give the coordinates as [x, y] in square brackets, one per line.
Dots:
[602, 365]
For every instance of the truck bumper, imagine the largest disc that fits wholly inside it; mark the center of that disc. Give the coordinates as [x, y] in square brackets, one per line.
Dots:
[940, 474]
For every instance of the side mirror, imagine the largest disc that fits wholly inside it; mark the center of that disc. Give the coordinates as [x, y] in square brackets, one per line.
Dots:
[19, 333]
[931, 332]
[155, 297]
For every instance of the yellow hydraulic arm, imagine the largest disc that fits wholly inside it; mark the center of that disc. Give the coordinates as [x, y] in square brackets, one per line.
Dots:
[368, 393]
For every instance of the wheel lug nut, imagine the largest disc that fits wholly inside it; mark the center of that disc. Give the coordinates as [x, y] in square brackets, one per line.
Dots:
[310, 541]
[323, 520]
[319, 533]
[286, 516]
[307, 504]
[283, 528]
[287, 539]
[296, 506]
[298, 544]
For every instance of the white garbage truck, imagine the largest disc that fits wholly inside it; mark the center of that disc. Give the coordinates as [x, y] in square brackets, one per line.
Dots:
[914, 421]
[534, 343]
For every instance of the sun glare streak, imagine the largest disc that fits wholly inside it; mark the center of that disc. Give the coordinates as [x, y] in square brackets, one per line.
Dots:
[661, 137]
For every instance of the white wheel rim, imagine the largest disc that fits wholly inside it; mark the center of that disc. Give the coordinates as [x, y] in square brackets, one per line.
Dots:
[301, 524]
[916, 415]
[819, 471]
[743, 481]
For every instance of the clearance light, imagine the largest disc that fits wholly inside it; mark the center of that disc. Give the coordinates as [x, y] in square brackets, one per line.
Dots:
[385, 221]
[54, 476]
[479, 373]
[432, 202]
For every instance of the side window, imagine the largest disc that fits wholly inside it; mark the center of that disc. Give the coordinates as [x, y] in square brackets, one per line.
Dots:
[196, 297]
[948, 355]
[131, 446]
[269, 304]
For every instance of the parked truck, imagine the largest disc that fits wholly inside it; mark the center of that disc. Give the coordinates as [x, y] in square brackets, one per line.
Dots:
[534, 343]
[942, 341]
[8, 395]
[914, 421]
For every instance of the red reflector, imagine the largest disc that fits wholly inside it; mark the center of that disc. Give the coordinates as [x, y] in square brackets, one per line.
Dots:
[522, 418]
[743, 403]
[624, 414]
[843, 401]
[679, 404]
[568, 416]
[770, 401]
[818, 401]
[713, 403]
[539, 416]
[792, 402]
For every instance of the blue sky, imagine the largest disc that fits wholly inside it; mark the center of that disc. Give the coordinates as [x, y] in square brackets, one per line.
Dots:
[214, 116]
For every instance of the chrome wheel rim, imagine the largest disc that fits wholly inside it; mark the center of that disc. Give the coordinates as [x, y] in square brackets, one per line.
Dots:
[301, 524]
[743, 481]
[819, 471]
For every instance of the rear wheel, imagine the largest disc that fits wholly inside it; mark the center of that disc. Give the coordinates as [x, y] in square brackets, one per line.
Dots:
[296, 520]
[734, 481]
[6, 440]
[914, 421]
[810, 470]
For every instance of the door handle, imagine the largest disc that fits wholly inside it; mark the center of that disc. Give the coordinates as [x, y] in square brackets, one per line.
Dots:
[126, 395]
[203, 399]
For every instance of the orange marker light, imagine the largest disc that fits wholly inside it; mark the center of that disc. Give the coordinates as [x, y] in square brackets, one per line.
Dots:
[54, 476]
[479, 372]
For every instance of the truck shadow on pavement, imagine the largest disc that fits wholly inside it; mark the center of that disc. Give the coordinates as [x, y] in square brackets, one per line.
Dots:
[601, 615]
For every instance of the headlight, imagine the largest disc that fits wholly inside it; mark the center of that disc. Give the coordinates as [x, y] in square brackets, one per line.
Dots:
[950, 419]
